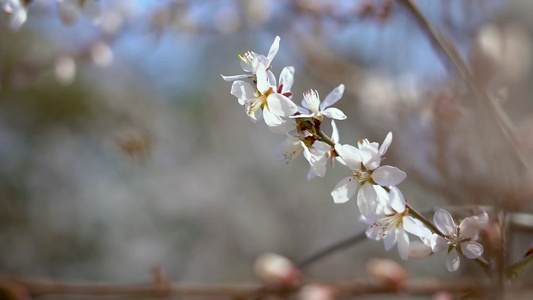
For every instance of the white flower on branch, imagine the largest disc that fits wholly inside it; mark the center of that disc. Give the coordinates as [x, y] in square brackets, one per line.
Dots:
[458, 239]
[364, 163]
[389, 221]
[268, 98]
[250, 62]
[317, 109]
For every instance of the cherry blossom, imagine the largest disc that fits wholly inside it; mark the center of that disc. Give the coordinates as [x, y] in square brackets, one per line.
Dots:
[312, 102]
[389, 221]
[458, 239]
[250, 62]
[366, 171]
[272, 101]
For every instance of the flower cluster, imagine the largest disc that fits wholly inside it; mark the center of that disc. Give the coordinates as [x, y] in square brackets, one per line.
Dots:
[374, 185]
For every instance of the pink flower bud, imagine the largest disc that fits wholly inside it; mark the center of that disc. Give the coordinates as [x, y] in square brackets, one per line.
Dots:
[316, 292]
[276, 271]
[387, 272]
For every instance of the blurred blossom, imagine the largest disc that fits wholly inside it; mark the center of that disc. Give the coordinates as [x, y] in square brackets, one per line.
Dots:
[65, 69]
[101, 54]
[227, 20]
[258, 12]
[111, 21]
[316, 292]
[69, 11]
[16, 11]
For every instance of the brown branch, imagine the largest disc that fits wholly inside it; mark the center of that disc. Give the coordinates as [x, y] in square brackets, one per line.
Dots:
[421, 286]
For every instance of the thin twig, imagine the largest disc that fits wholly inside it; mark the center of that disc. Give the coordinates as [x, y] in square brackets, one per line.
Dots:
[350, 241]
[38, 287]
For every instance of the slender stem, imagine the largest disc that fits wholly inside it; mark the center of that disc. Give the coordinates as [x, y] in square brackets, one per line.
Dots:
[520, 264]
[322, 253]
[426, 222]
[324, 138]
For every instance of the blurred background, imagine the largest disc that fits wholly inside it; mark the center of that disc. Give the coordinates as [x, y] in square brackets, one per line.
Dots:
[122, 149]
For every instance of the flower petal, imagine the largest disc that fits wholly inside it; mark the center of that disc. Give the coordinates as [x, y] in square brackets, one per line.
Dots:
[438, 243]
[367, 200]
[332, 97]
[385, 145]
[390, 239]
[345, 190]
[403, 243]
[273, 50]
[350, 155]
[334, 113]
[472, 250]
[471, 226]
[444, 221]
[397, 201]
[234, 77]
[262, 79]
[417, 249]
[288, 150]
[453, 261]
[370, 155]
[417, 228]
[272, 119]
[335, 132]
[246, 67]
[243, 91]
[281, 105]
[286, 79]
[388, 175]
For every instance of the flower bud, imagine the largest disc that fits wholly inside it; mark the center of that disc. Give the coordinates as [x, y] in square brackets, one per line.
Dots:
[316, 292]
[387, 272]
[276, 271]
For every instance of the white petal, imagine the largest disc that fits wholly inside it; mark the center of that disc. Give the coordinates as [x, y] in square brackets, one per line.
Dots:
[471, 226]
[288, 150]
[373, 232]
[367, 199]
[345, 190]
[417, 249]
[335, 132]
[235, 77]
[472, 250]
[262, 79]
[444, 221]
[413, 227]
[286, 79]
[273, 50]
[271, 119]
[246, 67]
[243, 91]
[388, 176]
[390, 240]
[438, 243]
[271, 79]
[370, 155]
[403, 243]
[453, 261]
[281, 105]
[397, 201]
[385, 145]
[333, 97]
[350, 155]
[334, 113]
[318, 168]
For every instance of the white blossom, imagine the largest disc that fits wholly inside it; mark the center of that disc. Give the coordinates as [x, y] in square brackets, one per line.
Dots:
[250, 62]
[366, 171]
[317, 109]
[458, 239]
[268, 100]
[390, 221]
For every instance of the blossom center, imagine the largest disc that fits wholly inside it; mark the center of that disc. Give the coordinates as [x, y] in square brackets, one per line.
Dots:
[388, 223]
[248, 57]
[361, 175]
